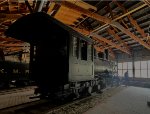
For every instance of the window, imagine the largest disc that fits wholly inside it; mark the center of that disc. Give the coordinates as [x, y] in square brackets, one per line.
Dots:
[148, 69]
[144, 73]
[90, 52]
[148, 73]
[101, 55]
[106, 54]
[129, 65]
[83, 50]
[137, 65]
[149, 64]
[143, 64]
[95, 53]
[91, 48]
[119, 65]
[142, 69]
[125, 65]
[75, 47]
[130, 72]
[120, 73]
[137, 73]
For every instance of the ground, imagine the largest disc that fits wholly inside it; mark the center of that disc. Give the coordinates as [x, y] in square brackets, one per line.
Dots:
[131, 100]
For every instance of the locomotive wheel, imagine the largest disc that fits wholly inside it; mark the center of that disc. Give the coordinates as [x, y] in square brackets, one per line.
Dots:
[98, 87]
[89, 90]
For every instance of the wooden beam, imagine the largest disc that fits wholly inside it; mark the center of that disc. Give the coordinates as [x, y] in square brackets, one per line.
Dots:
[111, 53]
[88, 13]
[66, 14]
[64, 11]
[133, 22]
[82, 4]
[110, 10]
[10, 16]
[82, 31]
[12, 5]
[102, 44]
[126, 31]
[99, 38]
[50, 10]
[134, 10]
[29, 7]
[106, 20]
[12, 45]
[115, 29]
[147, 2]
[98, 49]
[139, 29]
[67, 20]
[3, 2]
[111, 31]
[13, 49]
[10, 39]
[124, 24]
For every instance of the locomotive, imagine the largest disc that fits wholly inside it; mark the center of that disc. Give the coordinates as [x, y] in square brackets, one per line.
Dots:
[61, 59]
[13, 74]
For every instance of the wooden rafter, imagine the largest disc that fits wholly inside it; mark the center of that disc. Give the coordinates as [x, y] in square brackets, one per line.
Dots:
[82, 31]
[98, 49]
[111, 53]
[147, 2]
[29, 6]
[99, 38]
[124, 24]
[112, 31]
[11, 44]
[66, 20]
[105, 20]
[13, 5]
[126, 31]
[110, 10]
[88, 13]
[120, 17]
[13, 48]
[66, 12]
[133, 22]
[10, 39]
[104, 45]
[10, 16]
[50, 10]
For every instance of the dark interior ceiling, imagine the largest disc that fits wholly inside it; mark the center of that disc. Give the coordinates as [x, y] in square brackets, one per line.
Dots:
[116, 25]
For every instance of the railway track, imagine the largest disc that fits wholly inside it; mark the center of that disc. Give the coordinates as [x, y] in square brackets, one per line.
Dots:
[76, 107]
[82, 105]
[15, 90]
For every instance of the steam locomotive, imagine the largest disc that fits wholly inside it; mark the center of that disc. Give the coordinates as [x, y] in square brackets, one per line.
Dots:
[13, 74]
[61, 59]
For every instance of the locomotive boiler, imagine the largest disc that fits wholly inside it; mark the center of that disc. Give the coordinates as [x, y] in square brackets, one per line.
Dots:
[61, 59]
